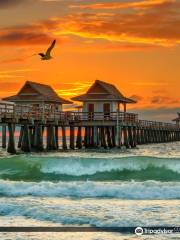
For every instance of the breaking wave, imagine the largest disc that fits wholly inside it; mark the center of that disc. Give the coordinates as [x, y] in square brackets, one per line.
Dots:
[61, 168]
[89, 189]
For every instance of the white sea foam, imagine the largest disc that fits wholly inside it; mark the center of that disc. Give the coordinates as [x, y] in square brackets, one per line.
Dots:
[120, 190]
[88, 212]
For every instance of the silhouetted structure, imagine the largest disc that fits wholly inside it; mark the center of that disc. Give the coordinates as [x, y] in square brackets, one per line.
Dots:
[38, 111]
[177, 120]
[103, 97]
[38, 95]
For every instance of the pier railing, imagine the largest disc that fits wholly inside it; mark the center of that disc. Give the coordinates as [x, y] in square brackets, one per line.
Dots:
[99, 116]
[156, 124]
[26, 112]
[10, 110]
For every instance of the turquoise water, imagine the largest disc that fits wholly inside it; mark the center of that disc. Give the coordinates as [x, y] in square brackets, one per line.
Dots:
[140, 187]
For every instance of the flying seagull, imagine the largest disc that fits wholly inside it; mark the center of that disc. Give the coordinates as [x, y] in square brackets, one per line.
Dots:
[47, 55]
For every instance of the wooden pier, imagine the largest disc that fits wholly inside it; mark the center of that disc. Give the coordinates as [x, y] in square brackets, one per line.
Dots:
[41, 129]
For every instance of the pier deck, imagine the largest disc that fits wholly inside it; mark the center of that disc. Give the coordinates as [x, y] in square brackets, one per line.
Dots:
[87, 130]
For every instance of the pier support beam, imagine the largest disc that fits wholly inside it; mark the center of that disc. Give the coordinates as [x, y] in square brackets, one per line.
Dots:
[57, 136]
[79, 138]
[38, 138]
[26, 142]
[32, 135]
[135, 136]
[126, 137]
[118, 136]
[20, 137]
[114, 137]
[64, 143]
[95, 137]
[87, 137]
[130, 134]
[91, 137]
[51, 141]
[72, 137]
[11, 143]
[109, 136]
[3, 136]
[103, 138]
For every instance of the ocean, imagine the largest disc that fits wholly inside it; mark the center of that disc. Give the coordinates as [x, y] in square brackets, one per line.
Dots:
[90, 188]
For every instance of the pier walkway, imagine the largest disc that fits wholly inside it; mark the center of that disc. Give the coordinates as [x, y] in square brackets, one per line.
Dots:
[89, 130]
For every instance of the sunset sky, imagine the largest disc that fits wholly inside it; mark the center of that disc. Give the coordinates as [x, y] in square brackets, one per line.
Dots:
[132, 44]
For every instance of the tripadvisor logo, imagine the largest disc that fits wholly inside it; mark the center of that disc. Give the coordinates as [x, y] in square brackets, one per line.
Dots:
[139, 231]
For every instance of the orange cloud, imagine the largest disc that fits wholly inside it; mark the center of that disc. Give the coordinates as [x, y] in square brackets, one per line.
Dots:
[124, 5]
[72, 88]
[136, 98]
[16, 73]
[128, 47]
[29, 35]
[157, 26]
[13, 60]
[164, 100]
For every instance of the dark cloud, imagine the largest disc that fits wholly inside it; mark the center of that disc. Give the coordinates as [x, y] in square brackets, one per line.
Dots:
[135, 30]
[135, 47]
[136, 98]
[124, 4]
[10, 3]
[35, 34]
[164, 100]
[24, 38]
[24, 35]
[159, 114]
[159, 24]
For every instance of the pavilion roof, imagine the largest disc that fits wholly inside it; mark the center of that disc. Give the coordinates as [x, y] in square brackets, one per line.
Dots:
[102, 91]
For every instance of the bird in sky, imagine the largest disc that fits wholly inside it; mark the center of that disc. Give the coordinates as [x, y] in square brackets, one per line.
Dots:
[47, 55]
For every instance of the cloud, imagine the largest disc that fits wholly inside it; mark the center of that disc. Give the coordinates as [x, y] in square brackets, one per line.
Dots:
[132, 47]
[150, 83]
[14, 3]
[157, 114]
[50, 0]
[10, 3]
[134, 30]
[20, 70]
[71, 89]
[16, 73]
[164, 100]
[13, 60]
[28, 35]
[136, 98]
[124, 5]
[156, 26]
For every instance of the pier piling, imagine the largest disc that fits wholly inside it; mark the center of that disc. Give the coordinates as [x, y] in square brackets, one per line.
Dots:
[3, 136]
[79, 138]
[72, 137]
[11, 142]
[112, 130]
[26, 141]
[64, 143]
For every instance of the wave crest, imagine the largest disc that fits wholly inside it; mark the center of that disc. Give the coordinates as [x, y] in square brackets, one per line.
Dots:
[31, 168]
[121, 190]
